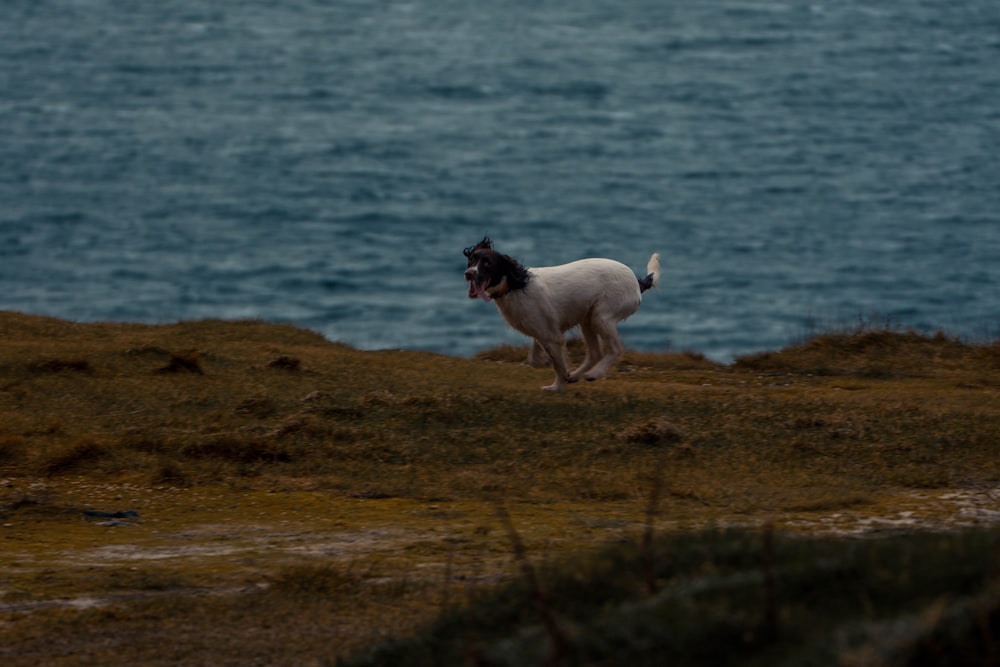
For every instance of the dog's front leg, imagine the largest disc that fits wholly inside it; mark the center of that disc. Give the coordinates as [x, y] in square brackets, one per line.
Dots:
[556, 349]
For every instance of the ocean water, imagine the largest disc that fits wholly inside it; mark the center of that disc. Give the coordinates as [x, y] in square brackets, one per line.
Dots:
[796, 163]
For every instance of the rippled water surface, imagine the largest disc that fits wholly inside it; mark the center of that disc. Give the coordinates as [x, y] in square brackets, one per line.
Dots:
[325, 163]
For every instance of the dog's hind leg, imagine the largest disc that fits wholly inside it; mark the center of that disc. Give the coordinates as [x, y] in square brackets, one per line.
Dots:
[537, 356]
[611, 345]
[592, 343]
[556, 349]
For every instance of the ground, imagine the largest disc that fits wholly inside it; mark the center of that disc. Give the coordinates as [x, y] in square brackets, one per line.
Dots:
[249, 493]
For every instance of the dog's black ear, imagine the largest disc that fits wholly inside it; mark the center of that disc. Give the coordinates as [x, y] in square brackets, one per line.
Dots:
[485, 244]
[517, 275]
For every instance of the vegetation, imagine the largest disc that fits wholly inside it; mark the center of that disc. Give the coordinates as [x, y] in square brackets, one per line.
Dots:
[735, 598]
[250, 493]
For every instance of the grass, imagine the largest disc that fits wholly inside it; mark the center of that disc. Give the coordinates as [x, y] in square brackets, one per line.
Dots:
[735, 598]
[301, 501]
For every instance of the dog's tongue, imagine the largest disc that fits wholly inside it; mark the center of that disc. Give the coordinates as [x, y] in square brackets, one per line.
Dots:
[478, 290]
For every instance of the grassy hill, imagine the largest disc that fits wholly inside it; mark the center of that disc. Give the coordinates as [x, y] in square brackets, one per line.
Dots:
[250, 493]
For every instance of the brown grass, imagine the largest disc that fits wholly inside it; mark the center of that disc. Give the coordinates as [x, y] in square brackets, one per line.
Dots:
[328, 497]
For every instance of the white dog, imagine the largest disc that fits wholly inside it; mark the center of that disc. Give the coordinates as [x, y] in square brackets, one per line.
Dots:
[545, 302]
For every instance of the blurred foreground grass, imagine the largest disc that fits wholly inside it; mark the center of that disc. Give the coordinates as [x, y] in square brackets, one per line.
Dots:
[299, 500]
[734, 598]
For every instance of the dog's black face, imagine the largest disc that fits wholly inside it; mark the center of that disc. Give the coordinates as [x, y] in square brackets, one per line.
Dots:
[491, 274]
[485, 270]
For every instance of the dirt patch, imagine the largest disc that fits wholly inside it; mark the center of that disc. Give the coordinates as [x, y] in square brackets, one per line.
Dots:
[928, 510]
[93, 602]
[237, 541]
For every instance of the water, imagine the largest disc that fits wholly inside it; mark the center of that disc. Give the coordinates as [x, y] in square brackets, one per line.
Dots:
[324, 163]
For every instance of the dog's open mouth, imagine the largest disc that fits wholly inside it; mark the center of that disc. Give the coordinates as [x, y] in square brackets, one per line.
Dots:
[478, 288]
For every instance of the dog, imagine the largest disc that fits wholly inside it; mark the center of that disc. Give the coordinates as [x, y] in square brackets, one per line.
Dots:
[545, 302]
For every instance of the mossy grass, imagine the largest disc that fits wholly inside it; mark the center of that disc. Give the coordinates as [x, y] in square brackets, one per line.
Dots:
[339, 496]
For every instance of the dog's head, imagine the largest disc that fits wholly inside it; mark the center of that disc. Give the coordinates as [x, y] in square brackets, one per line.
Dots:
[491, 274]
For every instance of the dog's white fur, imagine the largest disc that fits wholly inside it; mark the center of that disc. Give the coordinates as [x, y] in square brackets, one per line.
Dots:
[594, 294]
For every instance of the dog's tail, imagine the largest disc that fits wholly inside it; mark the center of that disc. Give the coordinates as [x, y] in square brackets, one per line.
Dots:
[652, 278]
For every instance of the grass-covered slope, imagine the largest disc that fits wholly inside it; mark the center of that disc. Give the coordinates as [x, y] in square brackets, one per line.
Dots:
[280, 499]
[204, 402]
